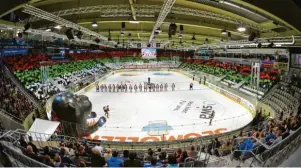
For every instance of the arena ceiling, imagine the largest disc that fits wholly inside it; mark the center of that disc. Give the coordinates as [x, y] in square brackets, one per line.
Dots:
[204, 18]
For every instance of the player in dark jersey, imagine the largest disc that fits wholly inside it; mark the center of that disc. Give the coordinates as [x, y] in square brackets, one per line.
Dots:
[110, 87]
[173, 86]
[212, 117]
[131, 88]
[161, 87]
[140, 87]
[135, 88]
[125, 87]
[101, 87]
[157, 87]
[113, 86]
[191, 86]
[97, 88]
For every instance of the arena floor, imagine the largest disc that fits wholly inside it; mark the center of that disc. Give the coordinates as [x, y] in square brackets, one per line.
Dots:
[179, 114]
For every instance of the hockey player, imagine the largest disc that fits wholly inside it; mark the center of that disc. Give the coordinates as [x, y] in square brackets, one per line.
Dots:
[131, 88]
[211, 117]
[117, 87]
[125, 87]
[135, 87]
[145, 88]
[113, 86]
[157, 87]
[173, 86]
[200, 80]
[101, 87]
[105, 87]
[110, 87]
[150, 87]
[154, 87]
[204, 80]
[165, 86]
[106, 111]
[191, 86]
[97, 88]
[140, 87]
[161, 87]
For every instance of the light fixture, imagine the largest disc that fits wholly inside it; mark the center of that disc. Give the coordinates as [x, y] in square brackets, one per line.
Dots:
[58, 27]
[224, 32]
[158, 30]
[180, 36]
[241, 29]
[94, 24]
[121, 33]
[48, 30]
[134, 21]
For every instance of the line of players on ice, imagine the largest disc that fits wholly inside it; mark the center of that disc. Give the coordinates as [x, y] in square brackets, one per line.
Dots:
[146, 87]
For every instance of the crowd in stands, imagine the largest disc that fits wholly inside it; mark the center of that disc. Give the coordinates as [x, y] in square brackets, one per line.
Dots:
[233, 72]
[12, 100]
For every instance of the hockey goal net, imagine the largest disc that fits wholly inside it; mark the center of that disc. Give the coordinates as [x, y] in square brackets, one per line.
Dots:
[158, 128]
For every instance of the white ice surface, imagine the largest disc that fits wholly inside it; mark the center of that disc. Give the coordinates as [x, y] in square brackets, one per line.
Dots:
[130, 112]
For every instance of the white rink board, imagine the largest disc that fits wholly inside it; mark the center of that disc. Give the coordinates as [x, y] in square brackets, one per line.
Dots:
[185, 111]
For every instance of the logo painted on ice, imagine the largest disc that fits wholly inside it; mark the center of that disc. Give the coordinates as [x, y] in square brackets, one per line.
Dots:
[157, 127]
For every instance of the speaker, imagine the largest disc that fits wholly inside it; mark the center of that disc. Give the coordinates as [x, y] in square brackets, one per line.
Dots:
[94, 47]
[79, 34]
[97, 40]
[122, 26]
[69, 33]
[20, 35]
[181, 29]
[252, 36]
[27, 26]
[229, 34]
[172, 29]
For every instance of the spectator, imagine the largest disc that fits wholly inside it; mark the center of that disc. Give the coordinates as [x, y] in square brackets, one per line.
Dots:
[65, 156]
[125, 155]
[96, 159]
[178, 153]
[31, 154]
[193, 153]
[108, 154]
[278, 138]
[99, 148]
[22, 141]
[114, 161]
[132, 162]
[34, 147]
[172, 161]
[57, 161]
[184, 155]
[78, 161]
[48, 161]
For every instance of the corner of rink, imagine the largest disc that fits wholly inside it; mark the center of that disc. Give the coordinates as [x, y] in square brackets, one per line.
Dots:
[188, 113]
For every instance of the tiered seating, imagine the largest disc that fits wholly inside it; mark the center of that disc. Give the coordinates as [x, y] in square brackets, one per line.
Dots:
[87, 56]
[234, 73]
[12, 100]
[22, 62]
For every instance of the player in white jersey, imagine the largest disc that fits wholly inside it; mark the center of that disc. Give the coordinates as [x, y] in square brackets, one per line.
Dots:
[166, 86]
[131, 88]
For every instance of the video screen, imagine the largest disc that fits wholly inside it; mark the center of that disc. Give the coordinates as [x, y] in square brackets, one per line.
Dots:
[296, 60]
[149, 53]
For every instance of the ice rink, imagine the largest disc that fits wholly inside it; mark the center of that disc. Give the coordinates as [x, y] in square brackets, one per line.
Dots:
[182, 113]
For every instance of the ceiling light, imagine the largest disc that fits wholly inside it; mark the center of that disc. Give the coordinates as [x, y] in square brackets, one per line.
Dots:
[48, 30]
[180, 36]
[241, 29]
[94, 24]
[134, 21]
[58, 27]
[224, 32]
[122, 34]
